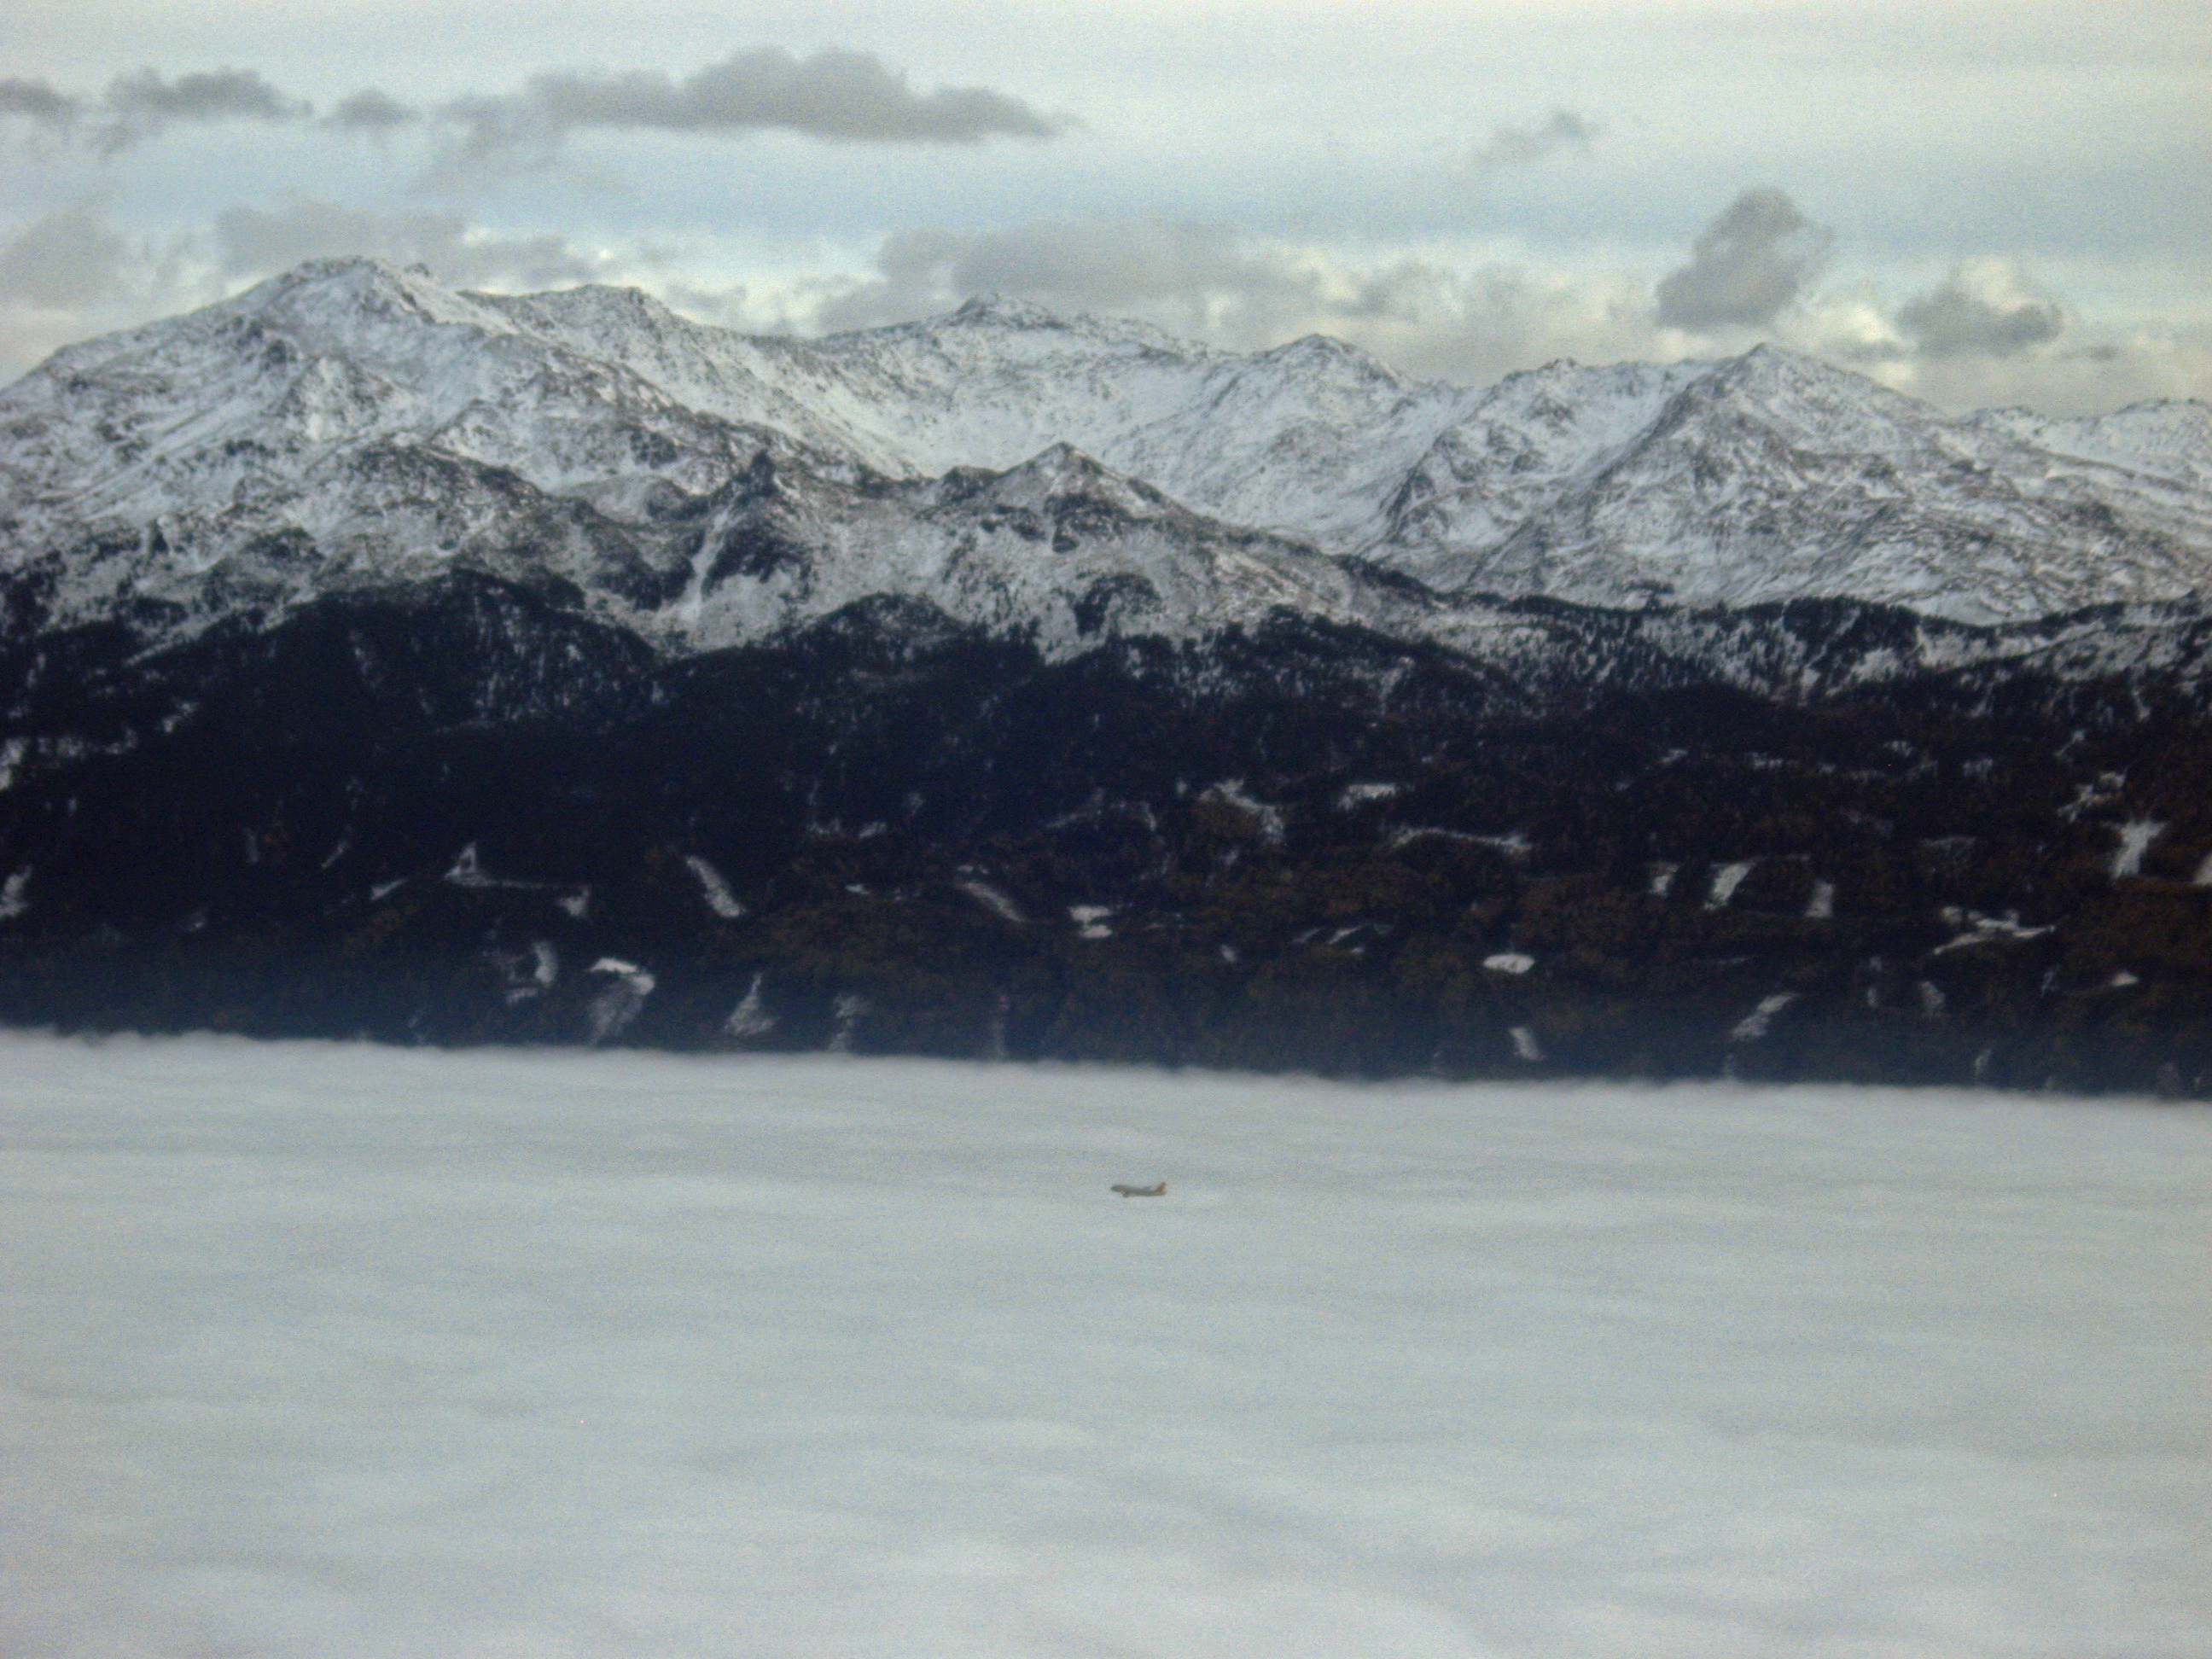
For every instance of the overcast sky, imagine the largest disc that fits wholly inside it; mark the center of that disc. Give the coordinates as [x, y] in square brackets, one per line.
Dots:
[1981, 203]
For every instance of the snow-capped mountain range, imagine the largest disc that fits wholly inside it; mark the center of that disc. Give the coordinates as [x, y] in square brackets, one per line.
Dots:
[1015, 685]
[350, 425]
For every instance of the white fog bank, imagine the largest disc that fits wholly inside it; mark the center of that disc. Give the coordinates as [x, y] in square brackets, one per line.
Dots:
[313, 1350]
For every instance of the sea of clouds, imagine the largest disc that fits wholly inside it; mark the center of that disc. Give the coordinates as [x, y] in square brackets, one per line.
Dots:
[316, 1350]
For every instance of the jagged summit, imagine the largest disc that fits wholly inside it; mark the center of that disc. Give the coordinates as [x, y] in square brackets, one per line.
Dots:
[350, 423]
[1002, 312]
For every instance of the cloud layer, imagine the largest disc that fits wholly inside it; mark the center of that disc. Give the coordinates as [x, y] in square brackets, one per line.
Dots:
[843, 96]
[138, 106]
[847, 97]
[1987, 333]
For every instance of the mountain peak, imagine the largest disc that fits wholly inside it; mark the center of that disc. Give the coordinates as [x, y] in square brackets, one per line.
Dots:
[361, 284]
[1767, 365]
[1006, 311]
[999, 313]
[1062, 470]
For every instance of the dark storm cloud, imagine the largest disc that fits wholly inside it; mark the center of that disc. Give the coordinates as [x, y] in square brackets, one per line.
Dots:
[138, 105]
[252, 242]
[847, 96]
[371, 112]
[210, 96]
[1747, 266]
[1985, 308]
[841, 96]
[37, 101]
[1563, 130]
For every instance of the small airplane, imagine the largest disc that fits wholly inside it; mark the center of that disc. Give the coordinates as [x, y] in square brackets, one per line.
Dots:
[1158, 1190]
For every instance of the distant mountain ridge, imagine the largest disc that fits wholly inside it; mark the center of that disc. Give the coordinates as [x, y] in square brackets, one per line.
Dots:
[351, 425]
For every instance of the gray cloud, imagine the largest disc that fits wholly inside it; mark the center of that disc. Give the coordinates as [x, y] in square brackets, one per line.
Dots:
[1562, 130]
[1985, 307]
[372, 111]
[841, 96]
[210, 96]
[1747, 266]
[37, 101]
[847, 96]
[251, 242]
[138, 106]
[66, 259]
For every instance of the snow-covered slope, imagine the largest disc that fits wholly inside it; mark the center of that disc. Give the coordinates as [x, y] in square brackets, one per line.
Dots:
[2171, 438]
[349, 424]
[1309, 439]
[1773, 476]
[1058, 549]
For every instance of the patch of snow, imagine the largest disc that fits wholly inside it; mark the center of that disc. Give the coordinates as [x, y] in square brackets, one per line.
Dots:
[12, 903]
[1091, 919]
[1525, 1046]
[1932, 1000]
[1754, 1025]
[991, 899]
[2135, 837]
[531, 973]
[1821, 906]
[1231, 792]
[1508, 962]
[612, 1012]
[11, 757]
[577, 904]
[1359, 794]
[750, 1017]
[1407, 834]
[845, 1015]
[1983, 930]
[1726, 879]
[716, 891]
[1662, 882]
[384, 889]
[2101, 792]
